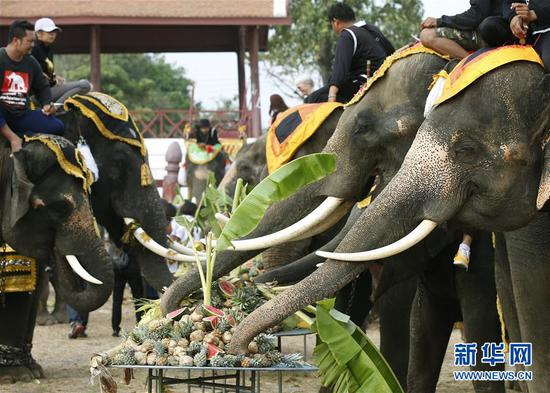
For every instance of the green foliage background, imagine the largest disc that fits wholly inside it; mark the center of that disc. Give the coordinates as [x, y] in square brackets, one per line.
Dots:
[139, 80]
[308, 44]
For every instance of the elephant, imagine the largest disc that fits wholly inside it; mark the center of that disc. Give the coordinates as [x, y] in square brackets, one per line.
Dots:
[476, 162]
[249, 165]
[44, 211]
[197, 174]
[117, 194]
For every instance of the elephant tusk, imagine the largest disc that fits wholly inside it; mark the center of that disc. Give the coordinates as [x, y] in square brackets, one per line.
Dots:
[419, 233]
[222, 219]
[311, 225]
[80, 271]
[149, 243]
[184, 250]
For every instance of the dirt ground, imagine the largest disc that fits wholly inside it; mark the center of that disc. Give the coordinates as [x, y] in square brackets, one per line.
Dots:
[66, 362]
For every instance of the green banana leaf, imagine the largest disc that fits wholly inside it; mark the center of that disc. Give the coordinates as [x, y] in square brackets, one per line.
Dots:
[348, 361]
[279, 185]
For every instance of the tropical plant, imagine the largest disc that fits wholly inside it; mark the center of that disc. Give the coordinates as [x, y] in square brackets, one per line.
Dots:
[348, 361]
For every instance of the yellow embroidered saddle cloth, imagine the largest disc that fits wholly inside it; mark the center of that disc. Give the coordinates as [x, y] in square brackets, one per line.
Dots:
[390, 60]
[17, 272]
[114, 122]
[292, 129]
[199, 156]
[480, 63]
[68, 157]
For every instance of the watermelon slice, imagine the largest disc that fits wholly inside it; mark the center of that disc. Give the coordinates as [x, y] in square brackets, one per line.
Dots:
[212, 320]
[212, 311]
[212, 351]
[177, 314]
[228, 289]
[231, 320]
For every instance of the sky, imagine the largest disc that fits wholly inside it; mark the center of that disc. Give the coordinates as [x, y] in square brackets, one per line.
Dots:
[215, 74]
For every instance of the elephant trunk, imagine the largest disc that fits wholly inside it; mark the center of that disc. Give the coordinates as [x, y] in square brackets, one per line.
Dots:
[390, 217]
[149, 213]
[77, 237]
[277, 217]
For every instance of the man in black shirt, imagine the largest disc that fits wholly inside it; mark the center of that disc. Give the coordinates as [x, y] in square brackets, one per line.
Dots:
[457, 34]
[46, 33]
[358, 43]
[21, 75]
[205, 134]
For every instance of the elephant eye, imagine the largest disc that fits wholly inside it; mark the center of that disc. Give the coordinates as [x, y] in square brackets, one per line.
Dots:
[467, 152]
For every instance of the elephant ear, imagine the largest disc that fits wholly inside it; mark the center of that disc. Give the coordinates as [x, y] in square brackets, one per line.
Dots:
[21, 188]
[544, 186]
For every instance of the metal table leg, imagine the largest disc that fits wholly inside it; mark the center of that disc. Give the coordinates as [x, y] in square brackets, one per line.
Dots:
[280, 381]
[150, 380]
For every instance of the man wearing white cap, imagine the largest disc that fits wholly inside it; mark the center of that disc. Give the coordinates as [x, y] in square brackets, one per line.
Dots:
[46, 33]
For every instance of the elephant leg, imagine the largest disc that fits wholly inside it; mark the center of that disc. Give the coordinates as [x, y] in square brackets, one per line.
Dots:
[60, 308]
[16, 362]
[431, 324]
[395, 309]
[476, 292]
[528, 251]
[44, 317]
[355, 298]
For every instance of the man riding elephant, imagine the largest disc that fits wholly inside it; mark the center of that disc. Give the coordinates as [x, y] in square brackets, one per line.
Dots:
[20, 74]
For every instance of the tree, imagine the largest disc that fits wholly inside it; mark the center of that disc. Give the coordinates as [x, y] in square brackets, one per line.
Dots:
[140, 81]
[308, 44]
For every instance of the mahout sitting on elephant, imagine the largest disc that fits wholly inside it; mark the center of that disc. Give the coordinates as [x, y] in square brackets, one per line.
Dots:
[479, 160]
[44, 211]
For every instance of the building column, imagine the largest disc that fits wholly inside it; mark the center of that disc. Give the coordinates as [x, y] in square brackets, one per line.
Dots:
[254, 49]
[240, 66]
[95, 57]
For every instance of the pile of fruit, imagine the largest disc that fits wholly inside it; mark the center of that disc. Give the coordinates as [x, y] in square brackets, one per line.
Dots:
[197, 337]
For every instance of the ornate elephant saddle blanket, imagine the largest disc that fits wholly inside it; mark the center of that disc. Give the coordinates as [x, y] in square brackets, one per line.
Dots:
[110, 116]
[68, 157]
[480, 63]
[292, 129]
[386, 65]
[200, 156]
[17, 272]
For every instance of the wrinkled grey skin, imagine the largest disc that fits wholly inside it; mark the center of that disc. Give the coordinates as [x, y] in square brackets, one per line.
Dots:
[118, 193]
[197, 175]
[476, 161]
[56, 220]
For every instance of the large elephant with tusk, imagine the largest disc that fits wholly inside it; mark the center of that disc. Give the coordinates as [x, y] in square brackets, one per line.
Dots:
[44, 213]
[477, 162]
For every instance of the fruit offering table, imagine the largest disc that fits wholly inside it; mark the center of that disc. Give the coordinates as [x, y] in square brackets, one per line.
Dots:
[213, 379]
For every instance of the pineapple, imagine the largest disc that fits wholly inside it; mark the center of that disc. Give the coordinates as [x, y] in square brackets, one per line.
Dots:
[140, 334]
[265, 342]
[245, 362]
[260, 360]
[291, 360]
[200, 359]
[195, 347]
[159, 348]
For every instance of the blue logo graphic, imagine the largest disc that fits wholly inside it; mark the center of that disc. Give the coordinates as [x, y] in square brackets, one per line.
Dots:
[465, 354]
[521, 353]
[493, 353]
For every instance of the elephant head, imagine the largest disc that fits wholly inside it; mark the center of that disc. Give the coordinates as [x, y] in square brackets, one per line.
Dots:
[43, 209]
[370, 139]
[124, 189]
[248, 165]
[475, 161]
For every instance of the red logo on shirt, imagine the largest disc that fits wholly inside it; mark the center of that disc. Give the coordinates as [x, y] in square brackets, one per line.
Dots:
[15, 82]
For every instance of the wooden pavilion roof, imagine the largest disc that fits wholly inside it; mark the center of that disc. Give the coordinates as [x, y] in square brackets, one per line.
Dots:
[149, 25]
